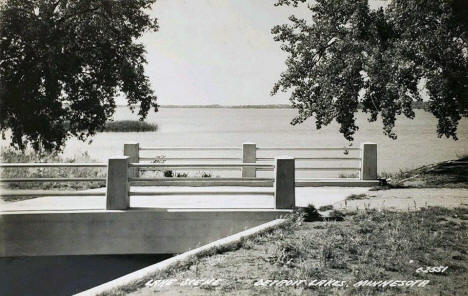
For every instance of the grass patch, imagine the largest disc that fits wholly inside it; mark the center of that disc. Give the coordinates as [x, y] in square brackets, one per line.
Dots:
[357, 196]
[446, 174]
[129, 126]
[367, 245]
[9, 155]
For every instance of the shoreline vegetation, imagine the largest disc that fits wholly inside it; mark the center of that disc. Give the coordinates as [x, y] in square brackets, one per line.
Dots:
[9, 155]
[129, 126]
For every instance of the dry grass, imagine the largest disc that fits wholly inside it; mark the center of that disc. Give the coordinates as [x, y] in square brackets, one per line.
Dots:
[368, 245]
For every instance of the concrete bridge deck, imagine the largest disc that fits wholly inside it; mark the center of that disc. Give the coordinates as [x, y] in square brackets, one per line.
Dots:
[154, 224]
[318, 196]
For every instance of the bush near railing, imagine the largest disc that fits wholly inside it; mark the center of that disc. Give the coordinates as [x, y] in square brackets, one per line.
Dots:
[129, 126]
[9, 155]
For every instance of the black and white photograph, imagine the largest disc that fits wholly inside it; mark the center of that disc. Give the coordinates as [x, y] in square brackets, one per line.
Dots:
[233, 147]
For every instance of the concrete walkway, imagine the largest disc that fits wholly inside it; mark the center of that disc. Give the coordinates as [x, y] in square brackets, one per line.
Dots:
[318, 196]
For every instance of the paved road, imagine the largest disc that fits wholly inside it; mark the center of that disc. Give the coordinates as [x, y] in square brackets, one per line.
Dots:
[318, 196]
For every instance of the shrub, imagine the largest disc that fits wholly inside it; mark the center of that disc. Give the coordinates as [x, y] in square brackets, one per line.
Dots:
[129, 126]
[206, 175]
[311, 214]
[169, 174]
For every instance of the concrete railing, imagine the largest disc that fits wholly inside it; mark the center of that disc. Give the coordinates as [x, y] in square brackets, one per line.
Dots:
[121, 171]
[367, 169]
[118, 178]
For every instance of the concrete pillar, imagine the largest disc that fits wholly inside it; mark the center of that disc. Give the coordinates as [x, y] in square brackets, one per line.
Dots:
[117, 183]
[249, 155]
[285, 191]
[368, 161]
[132, 150]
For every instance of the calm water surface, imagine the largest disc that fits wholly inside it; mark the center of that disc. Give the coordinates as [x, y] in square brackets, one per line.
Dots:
[417, 143]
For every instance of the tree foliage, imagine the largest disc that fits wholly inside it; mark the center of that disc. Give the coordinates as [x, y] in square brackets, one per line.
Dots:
[65, 61]
[383, 60]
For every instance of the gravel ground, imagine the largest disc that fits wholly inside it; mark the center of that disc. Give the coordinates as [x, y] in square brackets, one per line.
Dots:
[411, 198]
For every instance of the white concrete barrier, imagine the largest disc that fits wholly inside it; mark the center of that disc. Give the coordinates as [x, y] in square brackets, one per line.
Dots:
[368, 161]
[117, 187]
[132, 150]
[285, 195]
[249, 155]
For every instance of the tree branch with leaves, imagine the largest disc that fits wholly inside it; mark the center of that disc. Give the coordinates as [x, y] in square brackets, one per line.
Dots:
[350, 55]
[66, 61]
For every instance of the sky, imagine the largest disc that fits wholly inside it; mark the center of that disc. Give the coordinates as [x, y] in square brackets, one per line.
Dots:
[216, 51]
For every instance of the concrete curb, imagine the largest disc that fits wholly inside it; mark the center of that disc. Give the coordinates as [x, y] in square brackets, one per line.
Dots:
[139, 274]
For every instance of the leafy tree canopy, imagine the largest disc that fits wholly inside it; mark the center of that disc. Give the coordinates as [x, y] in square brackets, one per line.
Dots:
[383, 59]
[65, 61]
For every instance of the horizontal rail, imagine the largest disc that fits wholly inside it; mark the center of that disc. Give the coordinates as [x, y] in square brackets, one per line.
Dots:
[312, 158]
[316, 169]
[51, 165]
[190, 158]
[60, 193]
[191, 148]
[326, 179]
[306, 148]
[20, 180]
[197, 165]
[327, 169]
[199, 179]
[141, 193]
[191, 169]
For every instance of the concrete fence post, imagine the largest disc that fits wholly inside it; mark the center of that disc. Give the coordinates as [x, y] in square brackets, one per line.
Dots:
[249, 155]
[368, 161]
[117, 184]
[132, 150]
[285, 189]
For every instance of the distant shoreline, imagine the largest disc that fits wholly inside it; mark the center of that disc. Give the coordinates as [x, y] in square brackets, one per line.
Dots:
[416, 105]
[271, 106]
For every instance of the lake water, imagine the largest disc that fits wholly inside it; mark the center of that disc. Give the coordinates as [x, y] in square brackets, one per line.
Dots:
[417, 143]
[69, 274]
